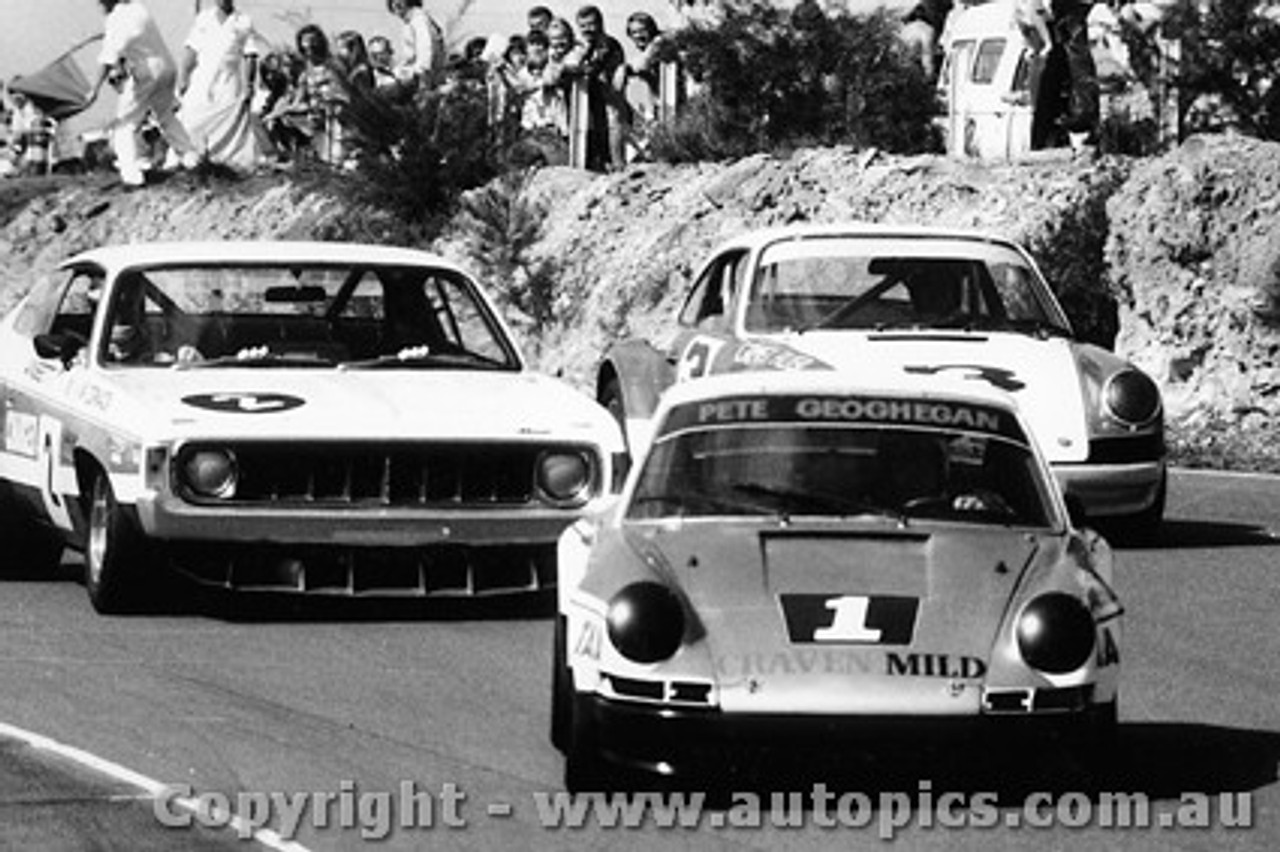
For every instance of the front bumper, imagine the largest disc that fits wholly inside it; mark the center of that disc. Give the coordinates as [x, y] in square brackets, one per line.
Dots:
[697, 743]
[357, 551]
[1109, 490]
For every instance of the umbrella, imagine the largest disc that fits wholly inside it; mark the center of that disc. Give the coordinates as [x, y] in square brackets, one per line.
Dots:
[60, 89]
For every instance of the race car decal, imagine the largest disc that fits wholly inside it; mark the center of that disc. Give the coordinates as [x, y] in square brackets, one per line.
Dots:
[998, 377]
[1108, 654]
[21, 433]
[766, 356]
[588, 642]
[845, 409]
[935, 665]
[696, 359]
[849, 619]
[244, 403]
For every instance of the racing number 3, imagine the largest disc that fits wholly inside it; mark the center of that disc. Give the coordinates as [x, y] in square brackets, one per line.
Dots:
[697, 358]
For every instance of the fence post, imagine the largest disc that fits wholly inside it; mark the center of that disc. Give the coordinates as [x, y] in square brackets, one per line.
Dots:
[670, 94]
[579, 119]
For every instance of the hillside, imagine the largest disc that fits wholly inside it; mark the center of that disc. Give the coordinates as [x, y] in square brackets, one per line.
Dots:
[1174, 261]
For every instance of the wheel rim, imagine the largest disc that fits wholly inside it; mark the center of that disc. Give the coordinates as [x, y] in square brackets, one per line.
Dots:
[96, 551]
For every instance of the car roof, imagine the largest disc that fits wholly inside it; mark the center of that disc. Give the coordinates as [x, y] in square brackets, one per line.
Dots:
[758, 238]
[253, 251]
[868, 383]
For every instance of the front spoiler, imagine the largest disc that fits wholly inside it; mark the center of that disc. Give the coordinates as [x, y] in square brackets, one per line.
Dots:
[699, 743]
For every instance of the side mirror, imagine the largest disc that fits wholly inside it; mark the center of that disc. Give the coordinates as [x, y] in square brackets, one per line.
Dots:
[1075, 511]
[64, 347]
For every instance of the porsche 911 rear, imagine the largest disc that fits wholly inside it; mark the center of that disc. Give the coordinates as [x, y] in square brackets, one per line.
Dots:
[785, 573]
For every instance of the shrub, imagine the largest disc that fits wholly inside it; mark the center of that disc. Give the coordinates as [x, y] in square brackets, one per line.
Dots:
[766, 79]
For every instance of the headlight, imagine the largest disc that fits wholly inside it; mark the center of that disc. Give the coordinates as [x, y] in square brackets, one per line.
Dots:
[646, 622]
[1131, 397]
[564, 477]
[210, 473]
[1055, 633]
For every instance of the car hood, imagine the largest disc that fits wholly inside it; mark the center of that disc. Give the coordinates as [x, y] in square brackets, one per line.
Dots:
[843, 617]
[1041, 374]
[330, 404]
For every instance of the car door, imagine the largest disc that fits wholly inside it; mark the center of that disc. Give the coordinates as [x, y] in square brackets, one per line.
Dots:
[706, 322]
[40, 394]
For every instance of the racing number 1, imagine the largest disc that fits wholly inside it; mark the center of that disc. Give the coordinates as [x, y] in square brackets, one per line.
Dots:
[849, 623]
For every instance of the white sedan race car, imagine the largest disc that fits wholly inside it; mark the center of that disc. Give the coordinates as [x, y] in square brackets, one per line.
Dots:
[924, 301]
[802, 565]
[290, 417]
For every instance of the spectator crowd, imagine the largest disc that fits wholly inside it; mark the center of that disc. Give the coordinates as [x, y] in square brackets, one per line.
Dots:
[230, 97]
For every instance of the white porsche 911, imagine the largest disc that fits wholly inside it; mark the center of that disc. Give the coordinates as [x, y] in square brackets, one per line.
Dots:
[292, 417]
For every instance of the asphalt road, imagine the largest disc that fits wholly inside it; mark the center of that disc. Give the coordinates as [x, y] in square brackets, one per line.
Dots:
[442, 721]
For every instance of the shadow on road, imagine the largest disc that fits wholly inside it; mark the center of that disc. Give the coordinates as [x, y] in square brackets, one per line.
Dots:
[1158, 760]
[1181, 534]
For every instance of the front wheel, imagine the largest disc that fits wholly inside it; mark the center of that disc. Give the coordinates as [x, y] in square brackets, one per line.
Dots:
[114, 553]
[27, 548]
[561, 690]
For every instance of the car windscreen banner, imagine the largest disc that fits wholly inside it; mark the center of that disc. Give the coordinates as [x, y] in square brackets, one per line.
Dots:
[823, 409]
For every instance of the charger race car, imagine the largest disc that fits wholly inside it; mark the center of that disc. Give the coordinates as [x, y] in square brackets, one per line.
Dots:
[801, 562]
[924, 301]
[309, 418]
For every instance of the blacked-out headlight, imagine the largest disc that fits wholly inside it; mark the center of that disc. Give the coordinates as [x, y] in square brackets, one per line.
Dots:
[210, 473]
[1055, 633]
[564, 476]
[646, 622]
[1131, 397]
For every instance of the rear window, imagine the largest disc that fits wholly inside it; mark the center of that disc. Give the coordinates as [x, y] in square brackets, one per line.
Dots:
[987, 60]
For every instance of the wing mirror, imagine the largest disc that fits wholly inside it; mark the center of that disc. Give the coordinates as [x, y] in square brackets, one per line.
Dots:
[64, 347]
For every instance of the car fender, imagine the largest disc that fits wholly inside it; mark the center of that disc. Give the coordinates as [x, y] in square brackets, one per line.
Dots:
[642, 373]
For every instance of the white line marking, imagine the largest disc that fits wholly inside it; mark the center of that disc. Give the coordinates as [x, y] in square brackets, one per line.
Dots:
[151, 787]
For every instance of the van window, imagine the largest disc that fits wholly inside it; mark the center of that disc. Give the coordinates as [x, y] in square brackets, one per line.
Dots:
[988, 60]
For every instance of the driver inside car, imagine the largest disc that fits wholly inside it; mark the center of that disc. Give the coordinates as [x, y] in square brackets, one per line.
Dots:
[916, 471]
[130, 339]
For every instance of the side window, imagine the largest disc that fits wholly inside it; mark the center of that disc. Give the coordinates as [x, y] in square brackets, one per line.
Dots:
[79, 303]
[987, 60]
[711, 300]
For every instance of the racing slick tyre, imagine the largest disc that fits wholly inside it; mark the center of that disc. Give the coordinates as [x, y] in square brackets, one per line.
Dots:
[114, 553]
[561, 690]
[27, 549]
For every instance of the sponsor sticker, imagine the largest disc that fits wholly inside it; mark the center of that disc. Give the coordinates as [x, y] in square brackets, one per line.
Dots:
[21, 433]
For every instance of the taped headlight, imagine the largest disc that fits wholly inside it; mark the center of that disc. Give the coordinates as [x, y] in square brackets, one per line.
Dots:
[1055, 633]
[210, 473]
[646, 622]
[1131, 397]
[564, 477]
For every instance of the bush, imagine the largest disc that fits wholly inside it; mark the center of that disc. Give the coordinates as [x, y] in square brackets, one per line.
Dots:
[766, 79]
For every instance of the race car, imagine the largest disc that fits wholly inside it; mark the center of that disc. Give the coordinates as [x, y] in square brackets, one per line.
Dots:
[800, 563]
[924, 301]
[309, 418]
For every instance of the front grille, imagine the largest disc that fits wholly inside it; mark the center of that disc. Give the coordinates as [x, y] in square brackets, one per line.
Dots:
[442, 570]
[1122, 449]
[438, 475]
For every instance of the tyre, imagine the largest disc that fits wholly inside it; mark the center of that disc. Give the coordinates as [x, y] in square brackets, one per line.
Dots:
[561, 690]
[1090, 743]
[611, 399]
[29, 549]
[114, 553]
[584, 772]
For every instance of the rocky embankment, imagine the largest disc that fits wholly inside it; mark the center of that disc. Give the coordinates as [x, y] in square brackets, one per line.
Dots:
[1174, 261]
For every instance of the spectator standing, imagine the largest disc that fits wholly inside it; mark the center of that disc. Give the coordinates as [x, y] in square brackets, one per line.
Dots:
[217, 79]
[1067, 95]
[923, 26]
[30, 137]
[506, 89]
[544, 115]
[137, 62]
[422, 54]
[311, 108]
[597, 59]
[539, 19]
[641, 81]
[382, 58]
